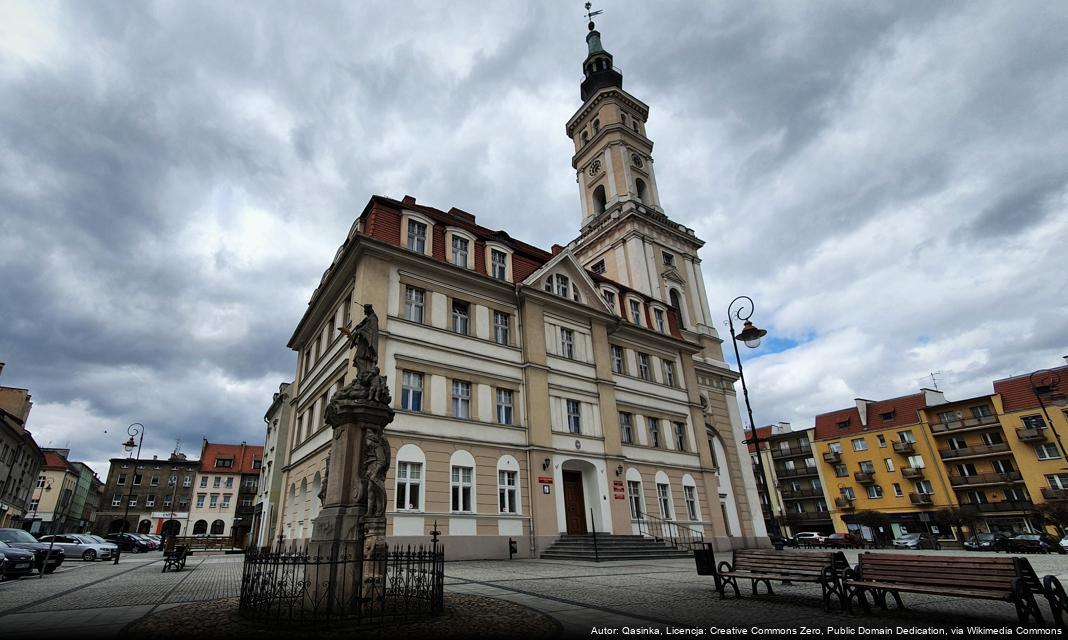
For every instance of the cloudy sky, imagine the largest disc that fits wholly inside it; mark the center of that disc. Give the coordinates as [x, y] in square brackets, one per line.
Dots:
[889, 182]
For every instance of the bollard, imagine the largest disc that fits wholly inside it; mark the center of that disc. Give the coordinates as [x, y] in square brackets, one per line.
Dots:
[512, 549]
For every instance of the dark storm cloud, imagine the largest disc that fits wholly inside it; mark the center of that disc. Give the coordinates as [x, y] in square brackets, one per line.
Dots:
[176, 176]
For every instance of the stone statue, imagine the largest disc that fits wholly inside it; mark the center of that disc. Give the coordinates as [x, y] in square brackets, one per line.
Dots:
[326, 478]
[364, 338]
[375, 465]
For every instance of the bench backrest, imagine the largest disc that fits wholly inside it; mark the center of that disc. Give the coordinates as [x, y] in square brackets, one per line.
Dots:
[792, 562]
[973, 573]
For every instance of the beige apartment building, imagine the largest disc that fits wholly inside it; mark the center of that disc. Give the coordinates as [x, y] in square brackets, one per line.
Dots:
[537, 393]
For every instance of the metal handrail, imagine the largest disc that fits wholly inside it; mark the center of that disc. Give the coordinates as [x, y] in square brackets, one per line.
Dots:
[662, 530]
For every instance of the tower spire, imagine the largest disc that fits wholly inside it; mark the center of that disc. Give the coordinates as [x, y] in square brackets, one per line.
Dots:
[597, 67]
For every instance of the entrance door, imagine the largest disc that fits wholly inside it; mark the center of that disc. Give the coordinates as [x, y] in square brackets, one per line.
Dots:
[574, 502]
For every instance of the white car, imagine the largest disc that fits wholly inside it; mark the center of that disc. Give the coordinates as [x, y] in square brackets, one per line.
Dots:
[810, 538]
[76, 545]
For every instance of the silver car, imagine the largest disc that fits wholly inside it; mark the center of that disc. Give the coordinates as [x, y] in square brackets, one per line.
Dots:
[76, 545]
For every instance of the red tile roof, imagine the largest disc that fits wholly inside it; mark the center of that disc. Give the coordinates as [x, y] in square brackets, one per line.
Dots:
[1017, 393]
[827, 423]
[762, 432]
[900, 411]
[242, 455]
[55, 461]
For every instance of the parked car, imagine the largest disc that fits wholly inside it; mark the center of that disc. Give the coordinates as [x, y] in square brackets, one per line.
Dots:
[14, 562]
[153, 544]
[780, 542]
[43, 559]
[810, 538]
[1034, 543]
[987, 542]
[844, 540]
[1064, 543]
[83, 547]
[129, 542]
[917, 541]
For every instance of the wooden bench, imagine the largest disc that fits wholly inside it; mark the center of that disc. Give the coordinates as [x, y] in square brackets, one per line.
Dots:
[764, 565]
[1007, 579]
[175, 559]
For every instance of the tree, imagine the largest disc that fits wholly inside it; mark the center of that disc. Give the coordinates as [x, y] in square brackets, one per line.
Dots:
[1052, 513]
[963, 517]
[873, 520]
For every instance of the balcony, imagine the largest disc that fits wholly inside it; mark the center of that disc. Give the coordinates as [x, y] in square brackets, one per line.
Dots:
[1049, 493]
[801, 494]
[832, 456]
[985, 479]
[808, 516]
[920, 498]
[905, 448]
[974, 452]
[912, 473]
[1031, 434]
[790, 452]
[844, 503]
[795, 473]
[1004, 505]
[864, 477]
[965, 424]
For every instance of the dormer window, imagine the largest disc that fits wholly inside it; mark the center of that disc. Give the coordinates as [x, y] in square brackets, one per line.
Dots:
[459, 250]
[661, 325]
[843, 424]
[499, 264]
[416, 236]
[888, 415]
[598, 267]
[636, 312]
[609, 298]
[563, 286]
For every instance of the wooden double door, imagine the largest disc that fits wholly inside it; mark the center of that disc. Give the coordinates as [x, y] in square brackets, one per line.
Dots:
[574, 502]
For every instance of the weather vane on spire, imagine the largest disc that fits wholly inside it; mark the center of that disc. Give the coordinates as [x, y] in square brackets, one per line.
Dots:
[590, 14]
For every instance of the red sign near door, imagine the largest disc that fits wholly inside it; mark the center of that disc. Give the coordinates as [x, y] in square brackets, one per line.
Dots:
[617, 490]
[545, 479]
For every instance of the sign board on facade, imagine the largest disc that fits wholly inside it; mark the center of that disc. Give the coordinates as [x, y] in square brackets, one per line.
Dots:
[545, 480]
[617, 490]
[168, 515]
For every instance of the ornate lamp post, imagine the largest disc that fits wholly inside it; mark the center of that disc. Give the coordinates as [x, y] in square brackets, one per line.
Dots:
[135, 429]
[742, 308]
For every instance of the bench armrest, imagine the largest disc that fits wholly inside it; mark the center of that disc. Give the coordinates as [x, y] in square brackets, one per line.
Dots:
[724, 566]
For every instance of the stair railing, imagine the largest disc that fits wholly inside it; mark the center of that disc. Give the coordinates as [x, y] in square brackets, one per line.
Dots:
[593, 524]
[679, 536]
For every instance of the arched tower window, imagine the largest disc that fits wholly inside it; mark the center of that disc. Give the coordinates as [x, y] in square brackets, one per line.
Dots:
[676, 304]
[639, 186]
[596, 126]
[585, 137]
[599, 200]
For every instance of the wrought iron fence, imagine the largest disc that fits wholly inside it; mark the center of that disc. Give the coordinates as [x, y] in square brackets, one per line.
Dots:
[288, 585]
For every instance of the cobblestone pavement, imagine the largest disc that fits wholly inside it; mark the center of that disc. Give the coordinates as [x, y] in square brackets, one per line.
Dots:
[99, 599]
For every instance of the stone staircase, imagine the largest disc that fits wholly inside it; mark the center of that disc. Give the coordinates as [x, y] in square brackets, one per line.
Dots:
[611, 547]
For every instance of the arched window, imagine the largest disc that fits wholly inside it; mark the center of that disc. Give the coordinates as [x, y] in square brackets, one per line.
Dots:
[599, 200]
[462, 482]
[596, 126]
[200, 528]
[508, 485]
[144, 526]
[639, 186]
[689, 497]
[663, 496]
[217, 527]
[676, 304]
[635, 498]
[411, 469]
[585, 137]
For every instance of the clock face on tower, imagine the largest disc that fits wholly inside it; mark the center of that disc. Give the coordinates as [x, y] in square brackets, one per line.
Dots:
[595, 167]
[637, 160]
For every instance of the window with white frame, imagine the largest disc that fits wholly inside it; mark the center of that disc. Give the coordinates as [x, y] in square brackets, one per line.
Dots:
[669, 373]
[150, 500]
[501, 328]
[226, 501]
[461, 399]
[167, 500]
[1047, 451]
[574, 416]
[459, 250]
[634, 495]
[412, 391]
[1057, 480]
[636, 312]
[413, 304]
[626, 427]
[116, 501]
[504, 406]
[654, 431]
[213, 501]
[567, 343]
[462, 489]
[658, 317]
[690, 495]
[859, 444]
[875, 491]
[663, 495]
[924, 487]
[848, 493]
[499, 264]
[506, 491]
[461, 313]
[680, 436]
[643, 366]
[416, 236]
[609, 299]
[409, 481]
[618, 363]
[200, 500]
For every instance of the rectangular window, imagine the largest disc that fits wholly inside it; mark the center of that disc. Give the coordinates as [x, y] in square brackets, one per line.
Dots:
[246, 502]
[499, 264]
[563, 286]
[154, 481]
[875, 491]
[574, 417]
[133, 501]
[413, 304]
[217, 482]
[634, 493]
[906, 436]
[1058, 480]
[416, 236]
[636, 312]
[981, 411]
[409, 479]
[501, 323]
[214, 502]
[991, 438]
[889, 464]
[866, 466]
[41, 481]
[626, 427]
[137, 479]
[1047, 451]
[680, 436]
[1033, 422]
[924, 487]
[150, 500]
[897, 490]
[841, 470]
[658, 316]
[690, 496]
[459, 251]
[183, 502]
[506, 492]
[121, 480]
[200, 500]
[669, 259]
[663, 495]
[610, 299]
[654, 431]
[188, 481]
[669, 373]
[617, 359]
[859, 445]
[881, 439]
[412, 391]
[643, 366]
[1003, 466]
[461, 399]
[116, 501]
[226, 501]
[203, 482]
[229, 482]
[916, 462]
[567, 343]
[504, 406]
[461, 489]
[460, 316]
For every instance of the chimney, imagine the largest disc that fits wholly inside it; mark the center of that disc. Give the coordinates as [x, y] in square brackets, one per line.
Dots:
[408, 200]
[932, 397]
[782, 427]
[862, 408]
[2, 364]
[557, 249]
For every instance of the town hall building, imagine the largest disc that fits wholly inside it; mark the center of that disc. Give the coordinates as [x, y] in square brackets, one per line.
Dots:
[536, 392]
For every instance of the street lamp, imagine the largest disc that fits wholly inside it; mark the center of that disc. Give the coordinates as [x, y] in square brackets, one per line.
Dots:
[742, 308]
[135, 429]
[1047, 383]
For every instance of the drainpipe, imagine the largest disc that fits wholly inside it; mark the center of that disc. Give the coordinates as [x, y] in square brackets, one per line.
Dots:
[530, 469]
